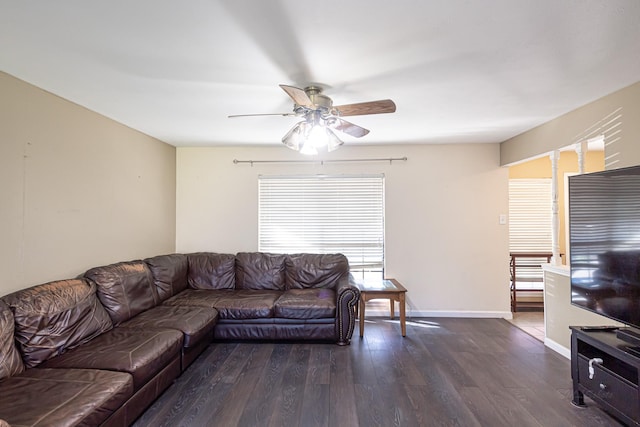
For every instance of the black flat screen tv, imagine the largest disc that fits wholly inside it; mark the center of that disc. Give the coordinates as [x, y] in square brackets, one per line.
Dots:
[604, 231]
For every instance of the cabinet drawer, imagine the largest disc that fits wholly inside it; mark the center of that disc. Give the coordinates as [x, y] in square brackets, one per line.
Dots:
[609, 388]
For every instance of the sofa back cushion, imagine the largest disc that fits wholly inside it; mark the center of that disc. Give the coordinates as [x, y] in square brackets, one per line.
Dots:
[125, 289]
[54, 317]
[315, 270]
[169, 274]
[209, 270]
[10, 361]
[258, 270]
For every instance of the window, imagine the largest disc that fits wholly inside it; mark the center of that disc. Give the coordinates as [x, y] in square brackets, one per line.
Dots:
[325, 214]
[530, 221]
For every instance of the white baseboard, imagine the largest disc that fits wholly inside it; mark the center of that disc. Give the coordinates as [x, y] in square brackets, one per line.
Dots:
[564, 351]
[380, 312]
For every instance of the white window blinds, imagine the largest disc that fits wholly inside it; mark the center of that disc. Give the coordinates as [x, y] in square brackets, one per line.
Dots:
[324, 214]
[530, 225]
[530, 215]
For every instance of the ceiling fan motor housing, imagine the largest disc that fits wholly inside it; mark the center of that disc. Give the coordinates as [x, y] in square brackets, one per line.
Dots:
[317, 98]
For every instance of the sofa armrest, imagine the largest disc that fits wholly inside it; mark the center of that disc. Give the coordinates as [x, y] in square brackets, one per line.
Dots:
[347, 297]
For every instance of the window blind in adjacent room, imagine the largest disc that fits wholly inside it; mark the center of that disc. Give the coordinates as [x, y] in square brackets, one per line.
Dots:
[530, 220]
[325, 214]
[530, 215]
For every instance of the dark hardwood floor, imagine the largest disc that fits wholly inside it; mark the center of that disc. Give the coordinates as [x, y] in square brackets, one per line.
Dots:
[446, 372]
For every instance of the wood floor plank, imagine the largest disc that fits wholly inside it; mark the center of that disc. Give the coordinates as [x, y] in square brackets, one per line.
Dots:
[287, 410]
[260, 403]
[236, 397]
[440, 397]
[445, 372]
[370, 412]
[554, 412]
[394, 366]
[482, 408]
[440, 407]
[440, 351]
[316, 406]
[362, 366]
[342, 400]
[172, 407]
[319, 371]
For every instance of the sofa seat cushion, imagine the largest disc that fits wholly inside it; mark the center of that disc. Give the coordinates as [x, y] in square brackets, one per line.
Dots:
[141, 353]
[195, 323]
[276, 329]
[306, 304]
[63, 397]
[231, 304]
[54, 317]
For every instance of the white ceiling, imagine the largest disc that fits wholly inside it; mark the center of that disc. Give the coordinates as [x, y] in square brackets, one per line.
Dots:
[460, 71]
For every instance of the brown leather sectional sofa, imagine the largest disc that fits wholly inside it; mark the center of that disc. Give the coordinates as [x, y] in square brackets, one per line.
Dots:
[98, 349]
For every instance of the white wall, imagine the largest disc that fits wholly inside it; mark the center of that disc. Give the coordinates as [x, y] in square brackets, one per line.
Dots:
[443, 239]
[77, 189]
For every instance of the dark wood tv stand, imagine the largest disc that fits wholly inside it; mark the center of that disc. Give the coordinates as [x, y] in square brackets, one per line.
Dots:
[616, 367]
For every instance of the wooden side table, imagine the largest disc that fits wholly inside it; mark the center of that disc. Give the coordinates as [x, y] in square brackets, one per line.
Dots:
[389, 289]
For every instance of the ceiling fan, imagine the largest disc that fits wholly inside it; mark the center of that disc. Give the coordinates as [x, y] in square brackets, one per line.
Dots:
[321, 117]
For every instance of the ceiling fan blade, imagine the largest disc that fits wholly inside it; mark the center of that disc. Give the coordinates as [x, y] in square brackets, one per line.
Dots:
[347, 127]
[298, 95]
[362, 108]
[263, 114]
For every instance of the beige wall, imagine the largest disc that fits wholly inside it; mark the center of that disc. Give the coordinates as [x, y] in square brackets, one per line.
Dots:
[443, 238]
[77, 189]
[616, 116]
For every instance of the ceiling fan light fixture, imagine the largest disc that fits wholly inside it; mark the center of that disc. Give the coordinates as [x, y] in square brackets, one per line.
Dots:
[333, 142]
[316, 136]
[308, 137]
[294, 137]
[313, 138]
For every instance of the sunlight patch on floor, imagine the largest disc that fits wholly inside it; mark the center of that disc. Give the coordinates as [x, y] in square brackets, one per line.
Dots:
[418, 323]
